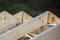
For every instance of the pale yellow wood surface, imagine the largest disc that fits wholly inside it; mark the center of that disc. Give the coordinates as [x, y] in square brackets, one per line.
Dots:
[4, 15]
[29, 26]
[13, 20]
[50, 34]
[25, 28]
[53, 19]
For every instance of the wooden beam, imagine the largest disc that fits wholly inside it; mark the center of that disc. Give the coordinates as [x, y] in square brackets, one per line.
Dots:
[15, 19]
[25, 28]
[53, 19]
[52, 33]
[4, 15]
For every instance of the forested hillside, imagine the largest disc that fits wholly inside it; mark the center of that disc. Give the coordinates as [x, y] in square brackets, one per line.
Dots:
[32, 7]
